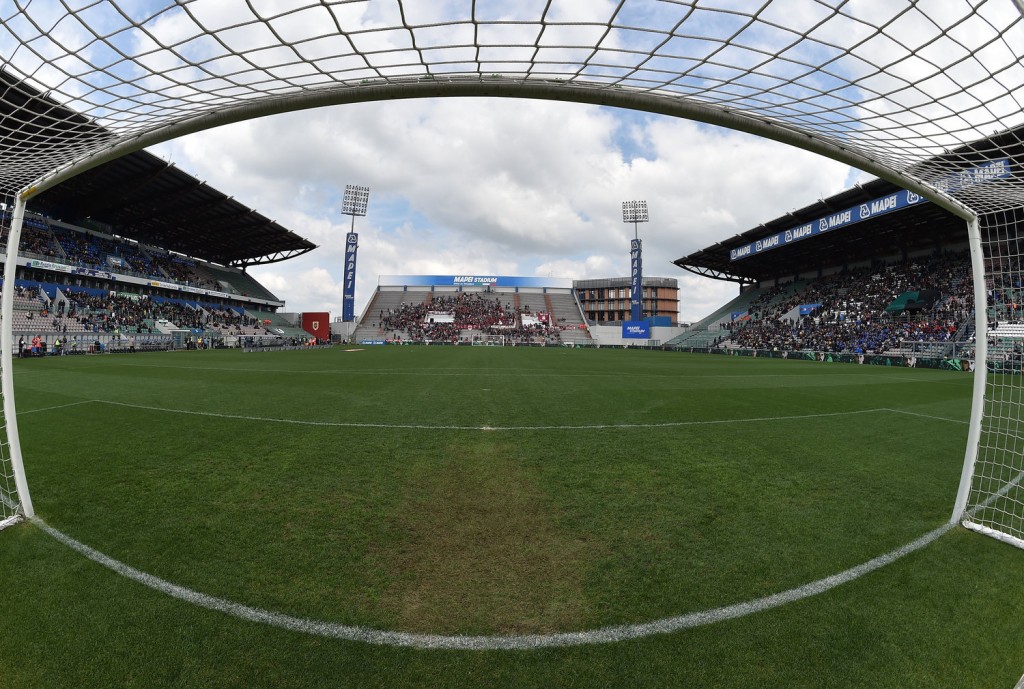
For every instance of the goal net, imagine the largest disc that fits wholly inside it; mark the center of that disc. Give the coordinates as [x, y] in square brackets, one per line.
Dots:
[996, 501]
[9, 506]
[926, 94]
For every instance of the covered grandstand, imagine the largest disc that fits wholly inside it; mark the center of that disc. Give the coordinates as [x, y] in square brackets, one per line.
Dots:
[137, 254]
[872, 270]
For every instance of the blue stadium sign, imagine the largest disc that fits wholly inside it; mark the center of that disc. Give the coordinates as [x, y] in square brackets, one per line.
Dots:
[348, 295]
[639, 330]
[637, 279]
[995, 169]
[470, 281]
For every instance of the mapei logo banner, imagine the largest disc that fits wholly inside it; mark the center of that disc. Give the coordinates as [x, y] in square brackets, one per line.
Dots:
[348, 295]
[638, 330]
[496, 281]
[880, 206]
[637, 279]
[980, 174]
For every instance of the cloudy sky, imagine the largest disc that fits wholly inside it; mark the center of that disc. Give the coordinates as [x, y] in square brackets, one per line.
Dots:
[500, 187]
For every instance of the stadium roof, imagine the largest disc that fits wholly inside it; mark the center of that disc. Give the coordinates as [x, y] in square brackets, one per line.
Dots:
[913, 228]
[143, 197]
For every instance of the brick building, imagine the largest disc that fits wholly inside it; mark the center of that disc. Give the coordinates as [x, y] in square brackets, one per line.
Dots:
[606, 300]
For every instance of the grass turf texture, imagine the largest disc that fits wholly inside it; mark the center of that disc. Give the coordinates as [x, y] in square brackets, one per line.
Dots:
[499, 531]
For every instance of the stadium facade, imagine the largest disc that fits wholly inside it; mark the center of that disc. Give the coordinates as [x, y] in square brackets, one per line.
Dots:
[607, 300]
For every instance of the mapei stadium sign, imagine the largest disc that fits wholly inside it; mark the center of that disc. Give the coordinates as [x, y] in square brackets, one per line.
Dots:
[886, 204]
[470, 281]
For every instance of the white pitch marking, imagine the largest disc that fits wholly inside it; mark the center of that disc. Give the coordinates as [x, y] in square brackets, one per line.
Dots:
[57, 406]
[539, 373]
[481, 643]
[928, 416]
[520, 642]
[617, 426]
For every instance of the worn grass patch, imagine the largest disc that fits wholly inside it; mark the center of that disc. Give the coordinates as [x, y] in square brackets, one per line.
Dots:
[476, 549]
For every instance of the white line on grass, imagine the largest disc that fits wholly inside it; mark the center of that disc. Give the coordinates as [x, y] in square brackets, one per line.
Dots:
[611, 426]
[482, 643]
[928, 416]
[56, 406]
[619, 426]
[533, 373]
[518, 642]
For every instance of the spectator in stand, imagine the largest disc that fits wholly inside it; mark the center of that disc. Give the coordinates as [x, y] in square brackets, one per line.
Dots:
[852, 315]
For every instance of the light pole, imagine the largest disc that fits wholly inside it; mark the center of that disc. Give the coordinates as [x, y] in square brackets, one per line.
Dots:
[354, 203]
[636, 213]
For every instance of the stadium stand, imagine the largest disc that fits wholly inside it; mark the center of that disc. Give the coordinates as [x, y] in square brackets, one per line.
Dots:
[83, 284]
[136, 251]
[472, 315]
[920, 307]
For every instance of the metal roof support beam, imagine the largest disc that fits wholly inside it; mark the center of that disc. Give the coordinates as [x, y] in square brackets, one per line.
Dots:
[575, 92]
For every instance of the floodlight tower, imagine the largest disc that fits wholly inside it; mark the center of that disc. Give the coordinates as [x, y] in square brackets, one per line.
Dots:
[636, 213]
[354, 203]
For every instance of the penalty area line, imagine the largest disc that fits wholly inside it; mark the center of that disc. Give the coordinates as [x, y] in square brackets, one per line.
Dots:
[379, 637]
[614, 426]
[56, 406]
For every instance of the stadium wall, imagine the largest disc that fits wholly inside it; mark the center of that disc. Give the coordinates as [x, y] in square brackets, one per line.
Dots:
[611, 335]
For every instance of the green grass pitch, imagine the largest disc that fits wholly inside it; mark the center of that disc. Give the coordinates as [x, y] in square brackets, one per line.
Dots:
[495, 492]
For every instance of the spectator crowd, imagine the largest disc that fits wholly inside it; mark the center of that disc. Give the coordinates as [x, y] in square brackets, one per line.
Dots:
[850, 309]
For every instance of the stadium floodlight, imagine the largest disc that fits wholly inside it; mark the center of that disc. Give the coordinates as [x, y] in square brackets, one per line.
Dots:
[634, 212]
[922, 94]
[355, 201]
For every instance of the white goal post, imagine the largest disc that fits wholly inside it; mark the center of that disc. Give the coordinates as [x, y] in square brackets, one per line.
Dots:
[927, 94]
[15, 500]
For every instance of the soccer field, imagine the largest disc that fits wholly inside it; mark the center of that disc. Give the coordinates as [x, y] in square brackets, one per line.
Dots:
[616, 517]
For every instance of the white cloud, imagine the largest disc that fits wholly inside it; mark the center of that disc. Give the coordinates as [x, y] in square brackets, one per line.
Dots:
[508, 187]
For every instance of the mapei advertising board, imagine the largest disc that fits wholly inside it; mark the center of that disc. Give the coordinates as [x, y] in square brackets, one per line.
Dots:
[470, 281]
[348, 295]
[636, 279]
[638, 330]
[993, 170]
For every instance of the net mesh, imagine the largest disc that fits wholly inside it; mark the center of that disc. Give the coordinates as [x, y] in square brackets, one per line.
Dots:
[900, 82]
[997, 496]
[933, 89]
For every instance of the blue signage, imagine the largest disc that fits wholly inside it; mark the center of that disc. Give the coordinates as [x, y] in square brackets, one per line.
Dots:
[805, 309]
[348, 295]
[636, 274]
[996, 169]
[899, 200]
[470, 281]
[640, 330]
